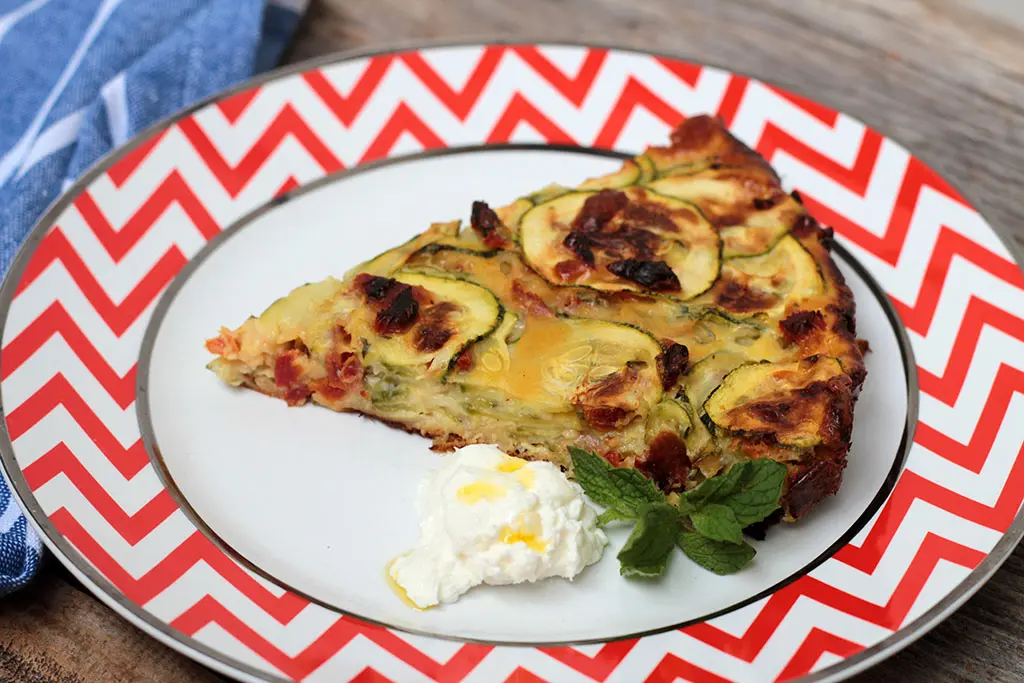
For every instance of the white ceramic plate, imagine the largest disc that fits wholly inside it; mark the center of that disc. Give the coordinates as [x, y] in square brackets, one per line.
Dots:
[254, 537]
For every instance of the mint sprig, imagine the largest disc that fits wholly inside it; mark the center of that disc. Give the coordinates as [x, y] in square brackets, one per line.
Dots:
[707, 522]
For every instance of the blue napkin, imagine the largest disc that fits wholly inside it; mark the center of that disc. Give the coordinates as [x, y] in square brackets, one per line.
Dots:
[80, 77]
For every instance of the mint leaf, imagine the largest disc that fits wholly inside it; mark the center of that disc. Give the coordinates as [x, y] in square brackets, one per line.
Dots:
[634, 487]
[751, 489]
[591, 473]
[622, 490]
[609, 516]
[646, 552]
[718, 487]
[716, 556]
[759, 494]
[717, 522]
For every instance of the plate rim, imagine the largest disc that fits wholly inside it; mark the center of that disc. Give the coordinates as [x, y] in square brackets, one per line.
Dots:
[190, 646]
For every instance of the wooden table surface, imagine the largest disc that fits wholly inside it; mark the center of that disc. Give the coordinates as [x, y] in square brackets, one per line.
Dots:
[944, 77]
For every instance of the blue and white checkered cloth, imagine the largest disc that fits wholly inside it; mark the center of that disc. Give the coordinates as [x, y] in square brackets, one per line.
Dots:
[80, 77]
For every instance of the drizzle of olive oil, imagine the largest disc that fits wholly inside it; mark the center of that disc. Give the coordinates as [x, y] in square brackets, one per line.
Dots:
[470, 494]
[511, 465]
[402, 594]
[526, 532]
[524, 475]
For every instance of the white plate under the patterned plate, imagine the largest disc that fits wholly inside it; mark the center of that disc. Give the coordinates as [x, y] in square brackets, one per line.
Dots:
[254, 537]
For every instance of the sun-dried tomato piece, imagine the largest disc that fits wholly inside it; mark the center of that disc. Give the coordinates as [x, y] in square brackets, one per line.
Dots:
[430, 339]
[581, 245]
[375, 287]
[653, 275]
[286, 370]
[571, 271]
[397, 303]
[598, 209]
[434, 329]
[642, 215]
[606, 417]
[533, 304]
[296, 396]
[671, 362]
[613, 457]
[666, 462]
[486, 223]
[400, 314]
[464, 362]
[343, 370]
[625, 242]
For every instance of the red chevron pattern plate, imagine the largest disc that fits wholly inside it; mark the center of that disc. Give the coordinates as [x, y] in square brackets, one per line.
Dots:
[82, 293]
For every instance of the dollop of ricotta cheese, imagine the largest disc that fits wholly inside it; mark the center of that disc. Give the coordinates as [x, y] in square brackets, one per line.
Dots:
[489, 518]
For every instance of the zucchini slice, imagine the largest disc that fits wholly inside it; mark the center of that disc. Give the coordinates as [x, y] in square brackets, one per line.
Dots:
[302, 314]
[560, 364]
[706, 374]
[637, 171]
[801, 274]
[674, 233]
[689, 168]
[702, 185]
[444, 245]
[721, 192]
[716, 316]
[698, 383]
[547, 193]
[750, 240]
[708, 330]
[760, 230]
[759, 399]
[668, 161]
[670, 415]
[391, 260]
[512, 214]
[628, 175]
[471, 312]
[501, 272]
[648, 169]
[770, 281]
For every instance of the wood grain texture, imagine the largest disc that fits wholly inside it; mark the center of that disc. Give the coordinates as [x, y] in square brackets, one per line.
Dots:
[54, 632]
[940, 77]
